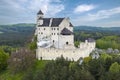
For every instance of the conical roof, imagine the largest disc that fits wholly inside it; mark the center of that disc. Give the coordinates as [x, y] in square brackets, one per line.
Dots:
[40, 12]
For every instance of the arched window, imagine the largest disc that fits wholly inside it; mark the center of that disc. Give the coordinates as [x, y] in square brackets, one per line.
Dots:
[53, 41]
[67, 43]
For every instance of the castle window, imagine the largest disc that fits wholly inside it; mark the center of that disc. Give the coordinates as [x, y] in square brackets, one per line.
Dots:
[44, 28]
[57, 28]
[57, 33]
[54, 28]
[53, 41]
[54, 33]
[41, 58]
[67, 43]
[41, 32]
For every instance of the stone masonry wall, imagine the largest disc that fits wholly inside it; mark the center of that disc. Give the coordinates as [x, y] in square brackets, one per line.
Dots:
[72, 54]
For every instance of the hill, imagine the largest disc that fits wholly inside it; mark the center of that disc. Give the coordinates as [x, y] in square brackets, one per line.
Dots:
[16, 35]
[115, 30]
[105, 37]
[16, 28]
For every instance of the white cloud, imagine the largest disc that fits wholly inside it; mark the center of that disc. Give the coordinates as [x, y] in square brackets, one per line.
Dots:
[47, 7]
[102, 14]
[16, 10]
[55, 9]
[83, 8]
[96, 18]
[11, 9]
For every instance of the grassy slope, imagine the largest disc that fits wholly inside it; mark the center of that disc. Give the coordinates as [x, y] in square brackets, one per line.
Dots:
[8, 76]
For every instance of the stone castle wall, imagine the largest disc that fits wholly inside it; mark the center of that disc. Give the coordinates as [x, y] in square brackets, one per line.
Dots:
[72, 54]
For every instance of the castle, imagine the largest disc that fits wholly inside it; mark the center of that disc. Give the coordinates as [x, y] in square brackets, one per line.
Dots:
[55, 38]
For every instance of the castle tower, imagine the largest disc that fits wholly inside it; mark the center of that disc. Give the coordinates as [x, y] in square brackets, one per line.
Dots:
[58, 31]
[40, 16]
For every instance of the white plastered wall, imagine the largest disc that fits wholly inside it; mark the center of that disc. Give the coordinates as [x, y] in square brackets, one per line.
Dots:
[71, 54]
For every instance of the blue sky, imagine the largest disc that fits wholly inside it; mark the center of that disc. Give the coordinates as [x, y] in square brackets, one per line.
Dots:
[105, 13]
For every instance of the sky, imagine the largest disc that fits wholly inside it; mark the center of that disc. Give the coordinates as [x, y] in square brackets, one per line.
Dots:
[101, 13]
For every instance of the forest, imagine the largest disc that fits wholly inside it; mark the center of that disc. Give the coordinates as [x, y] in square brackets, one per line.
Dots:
[105, 37]
[16, 35]
[18, 62]
[22, 65]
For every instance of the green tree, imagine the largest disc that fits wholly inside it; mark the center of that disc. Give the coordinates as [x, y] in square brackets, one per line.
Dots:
[114, 68]
[108, 42]
[3, 60]
[77, 43]
[110, 76]
[21, 60]
[86, 75]
[105, 56]
[33, 44]
[96, 67]
[87, 59]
